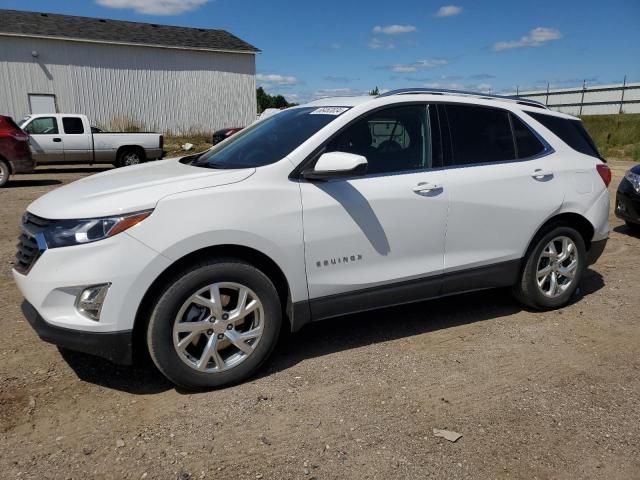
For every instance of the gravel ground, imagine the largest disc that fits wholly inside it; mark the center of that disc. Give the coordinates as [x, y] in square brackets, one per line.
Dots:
[534, 395]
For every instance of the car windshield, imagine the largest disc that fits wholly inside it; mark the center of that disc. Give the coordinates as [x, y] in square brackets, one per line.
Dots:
[23, 121]
[269, 140]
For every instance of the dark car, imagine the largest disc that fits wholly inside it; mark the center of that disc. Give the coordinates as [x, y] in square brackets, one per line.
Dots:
[628, 199]
[223, 134]
[15, 154]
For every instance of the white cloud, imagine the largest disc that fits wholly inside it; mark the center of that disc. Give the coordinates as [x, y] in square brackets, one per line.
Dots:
[535, 38]
[449, 11]
[377, 44]
[276, 79]
[394, 29]
[155, 7]
[419, 65]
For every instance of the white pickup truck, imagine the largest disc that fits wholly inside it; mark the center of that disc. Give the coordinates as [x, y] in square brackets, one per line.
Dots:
[70, 138]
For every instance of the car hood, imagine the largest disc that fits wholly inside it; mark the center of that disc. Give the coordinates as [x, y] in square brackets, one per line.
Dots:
[130, 189]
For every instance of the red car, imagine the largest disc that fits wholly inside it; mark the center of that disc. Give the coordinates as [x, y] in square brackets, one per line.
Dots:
[221, 135]
[15, 154]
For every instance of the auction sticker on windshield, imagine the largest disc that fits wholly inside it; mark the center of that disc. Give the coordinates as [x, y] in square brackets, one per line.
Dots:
[329, 111]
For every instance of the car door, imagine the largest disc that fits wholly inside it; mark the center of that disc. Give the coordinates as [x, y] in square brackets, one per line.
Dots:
[377, 239]
[502, 185]
[77, 142]
[46, 143]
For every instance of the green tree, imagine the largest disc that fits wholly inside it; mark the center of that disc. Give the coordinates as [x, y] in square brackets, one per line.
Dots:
[269, 101]
[375, 92]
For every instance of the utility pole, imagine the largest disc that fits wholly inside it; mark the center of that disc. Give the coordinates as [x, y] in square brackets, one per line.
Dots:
[546, 102]
[584, 87]
[624, 84]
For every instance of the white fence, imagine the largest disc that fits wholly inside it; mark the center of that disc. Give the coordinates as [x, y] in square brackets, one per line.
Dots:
[594, 100]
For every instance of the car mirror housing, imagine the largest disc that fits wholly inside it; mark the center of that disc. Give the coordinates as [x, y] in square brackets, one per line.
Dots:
[337, 165]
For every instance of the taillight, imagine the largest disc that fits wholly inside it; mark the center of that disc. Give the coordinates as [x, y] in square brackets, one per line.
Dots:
[161, 141]
[605, 173]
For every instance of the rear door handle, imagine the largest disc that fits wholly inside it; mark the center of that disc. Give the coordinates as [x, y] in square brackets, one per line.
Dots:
[426, 187]
[57, 140]
[538, 173]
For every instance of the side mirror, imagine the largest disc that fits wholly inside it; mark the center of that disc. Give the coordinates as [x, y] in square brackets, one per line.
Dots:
[337, 165]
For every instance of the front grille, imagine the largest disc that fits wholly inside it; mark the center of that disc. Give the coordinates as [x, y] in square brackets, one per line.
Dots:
[28, 248]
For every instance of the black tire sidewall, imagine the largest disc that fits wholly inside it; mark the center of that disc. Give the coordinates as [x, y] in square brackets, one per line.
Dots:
[535, 297]
[160, 330]
[120, 160]
[4, 166]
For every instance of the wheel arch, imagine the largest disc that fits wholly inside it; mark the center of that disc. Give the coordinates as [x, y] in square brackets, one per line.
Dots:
[256, 258]
[7, 163]
[569, 219]
[136, 148]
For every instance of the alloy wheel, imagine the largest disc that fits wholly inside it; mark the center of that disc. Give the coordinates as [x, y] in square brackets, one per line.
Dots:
[557, 266]
[218, 327]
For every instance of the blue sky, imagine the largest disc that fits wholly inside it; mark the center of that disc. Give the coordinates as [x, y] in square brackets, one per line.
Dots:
[312, 49]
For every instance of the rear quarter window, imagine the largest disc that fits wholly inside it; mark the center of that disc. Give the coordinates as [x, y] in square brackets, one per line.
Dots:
[571, 132]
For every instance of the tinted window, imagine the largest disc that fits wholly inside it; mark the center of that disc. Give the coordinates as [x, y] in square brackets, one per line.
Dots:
[269, 140]
[479, 135]
[571, 132]
[527, 143]
[72, 125]
[392, 140]
[43, 126]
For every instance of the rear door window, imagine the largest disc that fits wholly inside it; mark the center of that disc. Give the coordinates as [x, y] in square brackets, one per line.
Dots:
[72, 125]
[479, 135]
[527, 143]
[571, 132]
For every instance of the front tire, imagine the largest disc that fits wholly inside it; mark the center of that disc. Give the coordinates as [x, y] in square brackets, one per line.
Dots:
[553, 269]
[214, 325]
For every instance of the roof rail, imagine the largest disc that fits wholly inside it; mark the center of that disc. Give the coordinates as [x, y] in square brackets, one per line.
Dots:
[445, 91]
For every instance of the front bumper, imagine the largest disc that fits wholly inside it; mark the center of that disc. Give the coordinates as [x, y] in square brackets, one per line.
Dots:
[114, 346]
[58, 276]
[628, 203]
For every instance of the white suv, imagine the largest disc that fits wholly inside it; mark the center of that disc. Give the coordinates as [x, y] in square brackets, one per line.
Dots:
[338, 206]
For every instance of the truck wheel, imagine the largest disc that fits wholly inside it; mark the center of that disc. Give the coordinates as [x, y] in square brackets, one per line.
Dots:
[553, 269]
[215, 324]
[128, 157]
[4, 173]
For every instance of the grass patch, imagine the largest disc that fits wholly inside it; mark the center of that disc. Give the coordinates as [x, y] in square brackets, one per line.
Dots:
[616, 136]
[173, 144]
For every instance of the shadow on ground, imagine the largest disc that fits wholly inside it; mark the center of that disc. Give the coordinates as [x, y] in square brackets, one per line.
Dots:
[72, 169]
[625, 229]
[334, 335]
[13, 183]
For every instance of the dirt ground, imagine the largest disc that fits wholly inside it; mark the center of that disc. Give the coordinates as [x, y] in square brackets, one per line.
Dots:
[534, 395]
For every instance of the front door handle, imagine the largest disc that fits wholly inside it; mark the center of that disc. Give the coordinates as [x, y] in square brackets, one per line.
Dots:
[540, 174]
[57, 140]
[426, 187]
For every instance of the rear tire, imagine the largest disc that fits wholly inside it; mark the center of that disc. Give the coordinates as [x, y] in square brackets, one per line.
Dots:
[197, 335]
[129, 156]
[553, 269]
[5, 171]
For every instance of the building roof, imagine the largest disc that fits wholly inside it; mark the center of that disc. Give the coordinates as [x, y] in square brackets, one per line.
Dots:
[68, 27]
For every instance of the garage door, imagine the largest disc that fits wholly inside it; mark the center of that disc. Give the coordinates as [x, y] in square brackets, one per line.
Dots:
[42, 103]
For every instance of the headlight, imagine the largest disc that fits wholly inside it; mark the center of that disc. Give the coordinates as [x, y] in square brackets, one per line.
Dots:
[634, 179]
[65, 233]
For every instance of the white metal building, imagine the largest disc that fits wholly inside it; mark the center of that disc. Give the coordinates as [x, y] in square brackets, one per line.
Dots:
[157, 77]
